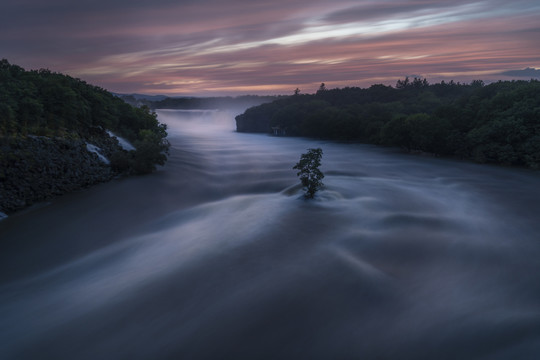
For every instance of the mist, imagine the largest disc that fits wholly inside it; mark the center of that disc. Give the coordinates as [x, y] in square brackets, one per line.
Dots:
[218, 255]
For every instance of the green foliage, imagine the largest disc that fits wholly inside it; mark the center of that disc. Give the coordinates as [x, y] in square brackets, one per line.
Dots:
[51, 104]
[151, 150]
[309, 173]
[122, 161]
[495, 123]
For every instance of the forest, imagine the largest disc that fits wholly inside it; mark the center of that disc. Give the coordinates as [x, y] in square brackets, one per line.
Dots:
[59, 134]
[497, 123]
[49, 104]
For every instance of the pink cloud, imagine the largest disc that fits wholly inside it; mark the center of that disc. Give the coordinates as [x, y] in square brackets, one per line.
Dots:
[208, 47]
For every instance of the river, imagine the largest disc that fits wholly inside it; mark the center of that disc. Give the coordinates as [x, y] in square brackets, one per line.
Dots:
[218, 256]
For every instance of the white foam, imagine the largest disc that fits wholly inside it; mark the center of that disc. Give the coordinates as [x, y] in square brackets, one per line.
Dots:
[96, 150]
[126, 145]
[3, 216]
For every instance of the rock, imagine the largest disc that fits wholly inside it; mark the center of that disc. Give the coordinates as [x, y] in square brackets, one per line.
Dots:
[35, 168]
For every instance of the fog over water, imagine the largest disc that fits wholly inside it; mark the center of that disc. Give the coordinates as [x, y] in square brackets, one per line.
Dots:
[218, 256]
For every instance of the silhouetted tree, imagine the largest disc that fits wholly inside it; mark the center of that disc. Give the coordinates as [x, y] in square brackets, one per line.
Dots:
[322, 88]
[309, 172]
[402, 84]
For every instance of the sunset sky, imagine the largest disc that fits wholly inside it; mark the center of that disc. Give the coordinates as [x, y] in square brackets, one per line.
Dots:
[233, 47]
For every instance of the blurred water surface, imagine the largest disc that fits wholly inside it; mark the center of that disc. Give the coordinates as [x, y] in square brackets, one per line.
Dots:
[217, 255]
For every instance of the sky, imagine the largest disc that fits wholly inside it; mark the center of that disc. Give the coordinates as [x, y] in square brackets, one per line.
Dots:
[236, 47]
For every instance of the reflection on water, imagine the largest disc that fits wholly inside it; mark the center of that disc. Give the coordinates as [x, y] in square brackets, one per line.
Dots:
[217, 255]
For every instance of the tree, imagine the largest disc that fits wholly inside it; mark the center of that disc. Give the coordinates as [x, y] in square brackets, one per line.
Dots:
[402, 84]
[151, 150]
[309, 173]
[322, 89]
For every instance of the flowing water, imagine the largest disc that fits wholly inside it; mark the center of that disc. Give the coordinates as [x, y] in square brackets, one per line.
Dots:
[218, 256]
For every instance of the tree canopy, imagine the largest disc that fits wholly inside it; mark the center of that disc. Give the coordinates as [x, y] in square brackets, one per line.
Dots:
[44, 103]
[495, 123]
[309, 173]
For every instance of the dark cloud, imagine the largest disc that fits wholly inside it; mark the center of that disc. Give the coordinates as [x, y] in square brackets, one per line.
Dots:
[525, 73]
[373, 11]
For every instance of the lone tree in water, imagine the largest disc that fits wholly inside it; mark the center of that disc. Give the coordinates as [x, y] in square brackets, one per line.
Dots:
[309, 172]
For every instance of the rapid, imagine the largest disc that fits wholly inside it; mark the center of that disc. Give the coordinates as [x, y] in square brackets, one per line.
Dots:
[217, 255]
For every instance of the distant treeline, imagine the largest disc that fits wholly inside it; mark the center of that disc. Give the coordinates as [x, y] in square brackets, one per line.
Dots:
[496, 123]
[204, 103]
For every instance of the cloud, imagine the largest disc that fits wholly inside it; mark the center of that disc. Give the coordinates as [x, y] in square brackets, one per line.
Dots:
[526, 73]
[376, 11]
[463, 53]
[208, 46]
[406, 10]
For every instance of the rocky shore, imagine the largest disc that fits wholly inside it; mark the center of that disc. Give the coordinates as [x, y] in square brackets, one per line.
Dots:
[37, 168]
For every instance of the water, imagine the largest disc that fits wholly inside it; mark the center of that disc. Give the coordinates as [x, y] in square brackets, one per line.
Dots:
[126, 145]
[217, 255]
[97, 150]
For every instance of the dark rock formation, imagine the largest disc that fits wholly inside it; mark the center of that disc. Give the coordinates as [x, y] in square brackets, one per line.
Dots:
[36, 168]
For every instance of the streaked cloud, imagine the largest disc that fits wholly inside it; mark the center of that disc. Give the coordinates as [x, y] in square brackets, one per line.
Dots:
[210, 47]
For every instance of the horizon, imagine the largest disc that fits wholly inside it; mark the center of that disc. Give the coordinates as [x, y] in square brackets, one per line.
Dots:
[210, 48]
[187, 96]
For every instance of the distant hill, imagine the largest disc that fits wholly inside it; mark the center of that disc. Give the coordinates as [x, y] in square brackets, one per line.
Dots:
[193, 102]
[142, 96]
[139, 100]
[218, 102]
